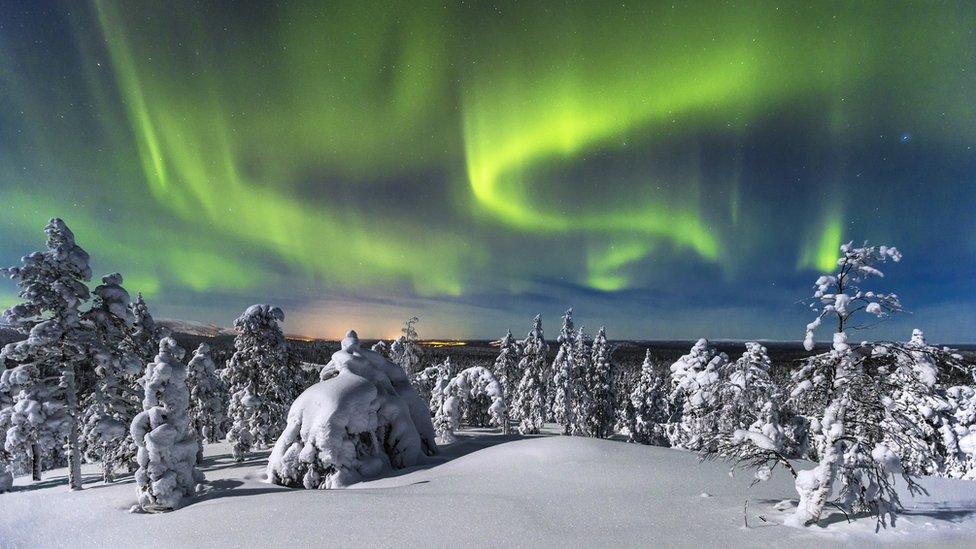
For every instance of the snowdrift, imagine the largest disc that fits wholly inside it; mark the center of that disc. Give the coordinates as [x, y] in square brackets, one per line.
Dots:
[548, 491]
[362, 420]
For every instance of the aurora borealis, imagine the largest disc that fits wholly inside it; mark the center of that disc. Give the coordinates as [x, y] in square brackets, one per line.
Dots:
[672, 171]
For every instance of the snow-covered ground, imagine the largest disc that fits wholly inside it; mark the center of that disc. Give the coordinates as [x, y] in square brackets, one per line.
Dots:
[485, 490]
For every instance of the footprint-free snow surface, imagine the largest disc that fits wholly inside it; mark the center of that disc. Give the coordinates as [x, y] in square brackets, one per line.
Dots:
[487, 491]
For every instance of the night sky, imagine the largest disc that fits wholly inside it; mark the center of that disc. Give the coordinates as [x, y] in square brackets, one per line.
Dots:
[671, 171]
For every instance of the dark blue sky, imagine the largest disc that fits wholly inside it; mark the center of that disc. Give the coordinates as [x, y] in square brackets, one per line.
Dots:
[669, 171]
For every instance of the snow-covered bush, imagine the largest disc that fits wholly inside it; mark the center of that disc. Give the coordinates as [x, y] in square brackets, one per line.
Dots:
[52, 285]
[563, 381]
[261, 381]
[405, 349]
[167, 444]
[530, 400]
[599, 418]
[207, 397]
[695, 382]
[649, 401]
[361, 420]
[463, 392]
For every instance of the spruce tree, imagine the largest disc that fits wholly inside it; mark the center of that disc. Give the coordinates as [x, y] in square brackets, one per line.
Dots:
[207, 397]
[261, 382]
[563, 382]
[506, 370]
[746, 389]
[115, 399]
[405, 349]
[600, 418]
[650, 406]
[582, 397]
[52, 285]
[167, 444]
[529, 404]
[145, 334]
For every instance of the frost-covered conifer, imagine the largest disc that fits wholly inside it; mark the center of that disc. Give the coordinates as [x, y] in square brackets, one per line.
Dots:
[564, 368]
[530, 400]
[381, 348]
[506, 370]
[600, 416]
[52, 285]
[405, 349]
[115, 399]
[145, 334]
[582, 398]
[695, 382]
[6, 402]
[918, 374]
[470, 388]
[260, 380]
[443, 374]
[167, 444]
[745, 389]
[207, 397]
[506, 364]
[650, 406]
[959, 435]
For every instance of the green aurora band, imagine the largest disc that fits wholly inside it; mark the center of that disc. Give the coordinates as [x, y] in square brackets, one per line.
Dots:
[199, 149]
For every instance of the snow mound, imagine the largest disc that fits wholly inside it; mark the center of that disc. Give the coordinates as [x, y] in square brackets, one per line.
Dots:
[362, 420]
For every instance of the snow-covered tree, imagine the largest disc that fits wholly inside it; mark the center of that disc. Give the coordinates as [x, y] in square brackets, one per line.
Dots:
[260, 380]
[207, 397]
[506, 371]
[649, 400]
[507, 363]
[960, 434]
[465, 391]
[405, 349]
[919, 374]
[167, 443]
[443, 374]
[362, 419]
[851, 390]
[52, 285]
[115, 399]
[746, 389]
[599, 419]
[563, 380]
[6, 403]
[530, 400]
[695, 383]
[582, 397]
[146, 334]
[381, 348]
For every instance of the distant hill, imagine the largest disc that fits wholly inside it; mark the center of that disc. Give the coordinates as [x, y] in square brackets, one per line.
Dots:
[191, 327]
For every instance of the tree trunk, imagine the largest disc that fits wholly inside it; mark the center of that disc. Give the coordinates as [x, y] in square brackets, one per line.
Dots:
[36, 462]
[108, 473]
[814, 486]
[74, 458]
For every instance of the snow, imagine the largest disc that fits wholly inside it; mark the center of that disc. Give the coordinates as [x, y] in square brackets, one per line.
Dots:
[498, 491]
[360, 421]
